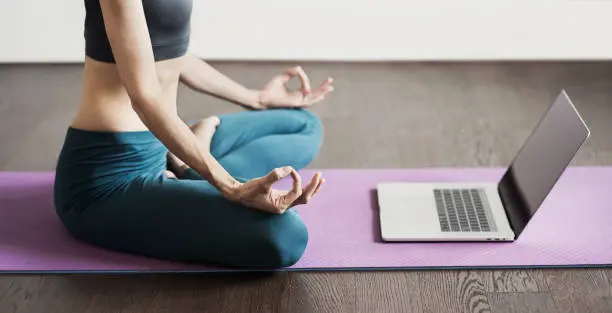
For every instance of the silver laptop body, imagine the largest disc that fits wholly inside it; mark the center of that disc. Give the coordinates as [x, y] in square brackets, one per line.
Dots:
[484, 211]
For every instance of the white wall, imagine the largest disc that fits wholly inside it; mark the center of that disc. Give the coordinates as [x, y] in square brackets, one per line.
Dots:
[351, 30]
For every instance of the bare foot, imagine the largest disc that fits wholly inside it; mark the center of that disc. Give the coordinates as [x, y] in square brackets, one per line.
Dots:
[169, 174]
[204, 130]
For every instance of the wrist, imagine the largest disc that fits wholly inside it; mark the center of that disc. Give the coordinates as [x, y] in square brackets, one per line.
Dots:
[217, 176]
[255, 100]
[229, 188]
[226, 184]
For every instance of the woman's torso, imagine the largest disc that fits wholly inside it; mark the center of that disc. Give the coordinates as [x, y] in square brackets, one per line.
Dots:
[108, 148]
[105, 104]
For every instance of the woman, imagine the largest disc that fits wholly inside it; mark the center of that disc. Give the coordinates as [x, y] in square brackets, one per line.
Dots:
[133, 177]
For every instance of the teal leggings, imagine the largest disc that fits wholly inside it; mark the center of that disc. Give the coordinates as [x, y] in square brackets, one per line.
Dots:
[110, 191]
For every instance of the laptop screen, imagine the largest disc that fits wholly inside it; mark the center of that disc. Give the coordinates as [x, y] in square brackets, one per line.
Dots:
[540, 162]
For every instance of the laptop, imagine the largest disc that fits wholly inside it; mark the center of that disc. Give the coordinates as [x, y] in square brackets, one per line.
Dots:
[484, 211]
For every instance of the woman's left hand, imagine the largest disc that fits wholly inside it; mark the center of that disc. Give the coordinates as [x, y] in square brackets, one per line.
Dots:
[276, 95]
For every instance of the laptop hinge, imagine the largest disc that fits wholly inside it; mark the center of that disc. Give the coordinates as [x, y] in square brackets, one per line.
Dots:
[515, 206]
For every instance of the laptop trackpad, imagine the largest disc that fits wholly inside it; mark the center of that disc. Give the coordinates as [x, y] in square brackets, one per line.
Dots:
[408, 210]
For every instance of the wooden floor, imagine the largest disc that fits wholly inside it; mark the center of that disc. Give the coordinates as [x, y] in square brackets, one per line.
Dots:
[380, 116]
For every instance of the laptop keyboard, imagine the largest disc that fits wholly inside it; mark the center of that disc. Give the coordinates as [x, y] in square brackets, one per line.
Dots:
[463, 210]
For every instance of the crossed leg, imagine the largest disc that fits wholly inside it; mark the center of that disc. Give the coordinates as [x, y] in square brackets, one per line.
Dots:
[186, 219]
[253, 143]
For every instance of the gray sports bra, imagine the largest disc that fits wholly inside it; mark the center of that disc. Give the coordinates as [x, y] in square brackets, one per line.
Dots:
[168, 22]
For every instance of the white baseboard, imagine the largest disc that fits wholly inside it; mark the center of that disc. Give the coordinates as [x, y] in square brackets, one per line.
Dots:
[36, 31]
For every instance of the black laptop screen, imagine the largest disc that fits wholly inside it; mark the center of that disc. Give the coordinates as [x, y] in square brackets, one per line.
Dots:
[540, 162]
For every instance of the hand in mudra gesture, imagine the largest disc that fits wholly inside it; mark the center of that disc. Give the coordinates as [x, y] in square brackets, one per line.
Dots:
[276, 95]
[259, 194]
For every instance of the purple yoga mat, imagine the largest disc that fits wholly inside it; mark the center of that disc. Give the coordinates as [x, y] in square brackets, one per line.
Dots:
[572, 228]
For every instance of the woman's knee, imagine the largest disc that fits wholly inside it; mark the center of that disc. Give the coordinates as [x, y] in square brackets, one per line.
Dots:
[312, 132]
[284, 242]
[312, 123]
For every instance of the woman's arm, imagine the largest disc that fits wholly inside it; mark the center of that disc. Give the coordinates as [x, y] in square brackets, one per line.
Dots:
[129, 38]
[200, 76]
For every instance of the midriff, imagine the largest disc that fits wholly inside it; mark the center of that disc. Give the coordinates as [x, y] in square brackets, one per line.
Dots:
[105, 104]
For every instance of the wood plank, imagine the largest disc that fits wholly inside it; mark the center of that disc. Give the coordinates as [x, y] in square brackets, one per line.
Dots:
[121, 294]
[221, 293]
[388, 292]
[19, 292]
[5, 284]
[516, 281]
[532, 302]
[453, 291]
[59, 294]
[581, 290]
[322, 292]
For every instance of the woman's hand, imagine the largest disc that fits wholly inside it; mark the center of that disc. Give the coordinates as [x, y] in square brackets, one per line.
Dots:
[258, 193]
[276, 95]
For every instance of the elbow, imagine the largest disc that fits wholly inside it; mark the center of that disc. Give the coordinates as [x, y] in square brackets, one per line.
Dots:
[139, 104]
[143, 98]
[146, 97]
[142, 90]
[151, 109]
[145, 103]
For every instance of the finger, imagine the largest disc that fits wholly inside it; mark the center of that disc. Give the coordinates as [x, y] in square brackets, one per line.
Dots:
[318, 94]
[295, 98]
[325, 87]
[282, 79]
[309, 190]
[321, 182]
[311, 99]
[327, 82]
[312, 186]
[276, 175]
[296, 191]
[298, 71]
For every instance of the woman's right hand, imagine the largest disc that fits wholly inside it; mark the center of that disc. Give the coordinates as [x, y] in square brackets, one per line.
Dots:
[259, 194]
